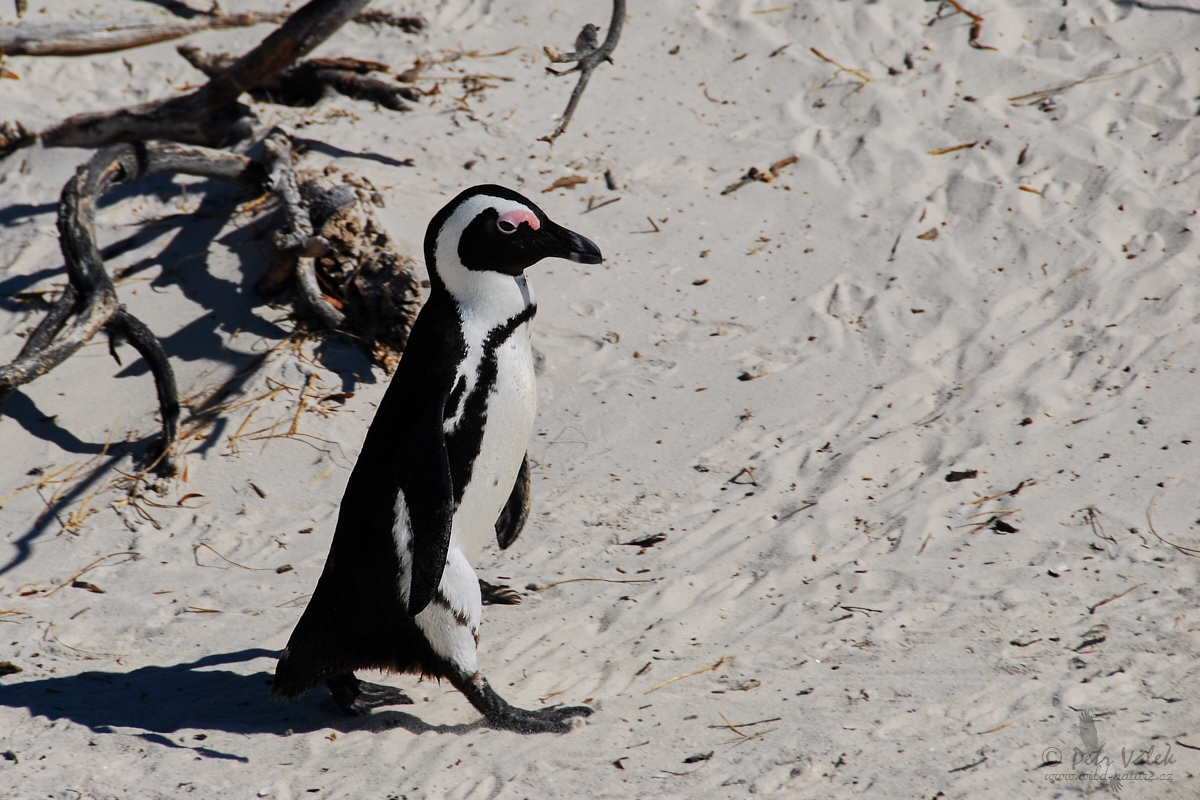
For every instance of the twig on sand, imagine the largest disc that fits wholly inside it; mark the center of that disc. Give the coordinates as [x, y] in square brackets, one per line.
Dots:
[941, 151]
[765, 176]
[715, 665]
[865, 80]
[1033, 98]
[1010, 493]
[196, 557]
[965, 767]
[1191, 551]
[71, 579]
[734, 728]
[1093, 518]
[86, 653]
[588, 56]
[745, 737]
[534, 587]
[976, 27]
[1106, 601]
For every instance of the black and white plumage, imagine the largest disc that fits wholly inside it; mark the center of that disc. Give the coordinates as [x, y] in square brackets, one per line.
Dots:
[443, 469]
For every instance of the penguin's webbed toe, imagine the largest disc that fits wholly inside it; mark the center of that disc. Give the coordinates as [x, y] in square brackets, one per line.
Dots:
[544, 720]
[503, 716]
[357, 697]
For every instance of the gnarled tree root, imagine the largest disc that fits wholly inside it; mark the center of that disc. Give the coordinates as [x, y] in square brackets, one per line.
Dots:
[90, 302]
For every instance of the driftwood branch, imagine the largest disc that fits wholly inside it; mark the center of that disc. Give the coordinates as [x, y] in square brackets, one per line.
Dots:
[91, 298]
[587, 56]
[13, 136]
[347, 273]
[211, 115]
[296, 240]
[349, 276]
[307, 82]
[91, 37]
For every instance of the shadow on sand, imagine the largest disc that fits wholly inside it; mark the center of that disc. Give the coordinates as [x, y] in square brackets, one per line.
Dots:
[152, 702]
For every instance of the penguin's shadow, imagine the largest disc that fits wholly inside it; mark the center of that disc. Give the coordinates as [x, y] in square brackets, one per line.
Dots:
[158, 701]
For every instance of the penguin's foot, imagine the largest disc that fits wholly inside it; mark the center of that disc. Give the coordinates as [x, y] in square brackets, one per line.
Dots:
[357, 697]
[503, 716]
[497, 594]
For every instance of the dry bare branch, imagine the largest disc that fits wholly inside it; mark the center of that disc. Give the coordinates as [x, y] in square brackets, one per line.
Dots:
[587, 57]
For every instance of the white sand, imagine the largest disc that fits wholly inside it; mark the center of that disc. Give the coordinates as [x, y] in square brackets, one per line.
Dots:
[1046, 338]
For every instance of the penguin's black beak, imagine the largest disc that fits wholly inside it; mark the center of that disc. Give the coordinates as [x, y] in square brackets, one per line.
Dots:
[562, 243]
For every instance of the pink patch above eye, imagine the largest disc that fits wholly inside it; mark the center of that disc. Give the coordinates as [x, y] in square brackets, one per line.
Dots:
[519, 215]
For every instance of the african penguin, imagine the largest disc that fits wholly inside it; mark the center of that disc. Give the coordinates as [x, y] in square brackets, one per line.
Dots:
[444, 467]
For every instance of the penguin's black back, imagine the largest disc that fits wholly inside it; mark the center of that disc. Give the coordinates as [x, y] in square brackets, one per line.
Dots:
[356, 618]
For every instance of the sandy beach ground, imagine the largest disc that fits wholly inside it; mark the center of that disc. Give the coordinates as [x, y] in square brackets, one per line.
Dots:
[982, 265]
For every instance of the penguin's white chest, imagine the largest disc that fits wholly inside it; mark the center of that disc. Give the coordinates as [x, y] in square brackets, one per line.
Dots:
[511, 406]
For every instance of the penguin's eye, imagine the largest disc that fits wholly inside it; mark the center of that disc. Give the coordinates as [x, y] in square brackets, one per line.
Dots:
[510, 221]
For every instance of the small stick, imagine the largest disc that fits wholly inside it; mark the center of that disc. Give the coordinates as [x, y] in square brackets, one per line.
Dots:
[731, 727]
[864, 609]
[1097, 528]
[533, 587]
[591, 207]
[196, 558]
[68, 581]
[715, 665]
[853, 72]
[976, 26]
[88, 653]
[943, 150]
[1092, 610]
[40, 482]
[1013, 492]
[998, 511]
[300, 407]
[652, 224]
[1191, 551]
[734, 728]
[962, 10]
[588, 56]
[983, 756]
[1037, 97]
[748, 472]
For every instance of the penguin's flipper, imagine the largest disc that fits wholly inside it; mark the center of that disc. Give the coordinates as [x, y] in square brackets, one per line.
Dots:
[429, 496]
[357, 697]
[516, 511]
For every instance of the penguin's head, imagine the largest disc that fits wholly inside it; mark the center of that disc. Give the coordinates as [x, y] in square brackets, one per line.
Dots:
[489, 231]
